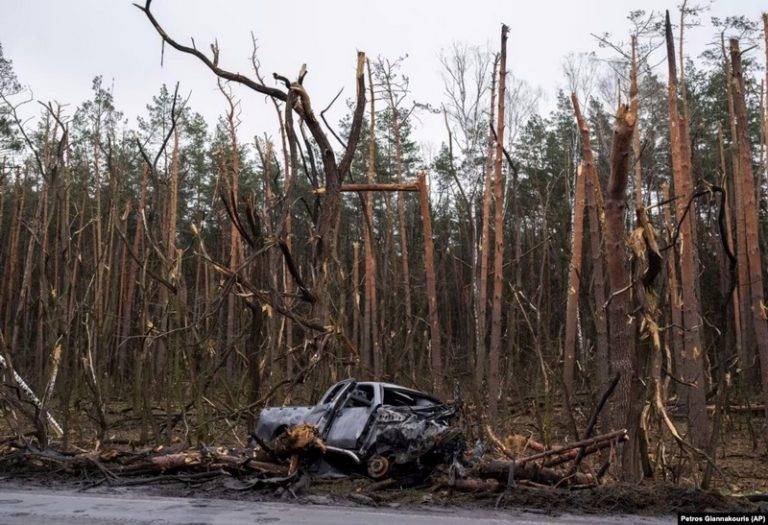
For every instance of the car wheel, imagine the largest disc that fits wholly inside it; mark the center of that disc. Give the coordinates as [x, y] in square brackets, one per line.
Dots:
[378, 467]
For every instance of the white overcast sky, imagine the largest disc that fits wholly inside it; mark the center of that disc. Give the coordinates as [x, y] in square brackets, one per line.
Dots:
[58, 46]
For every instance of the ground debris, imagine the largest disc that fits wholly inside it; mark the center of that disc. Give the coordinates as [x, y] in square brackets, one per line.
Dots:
[148, 466]
[233, 473]
[557, 466]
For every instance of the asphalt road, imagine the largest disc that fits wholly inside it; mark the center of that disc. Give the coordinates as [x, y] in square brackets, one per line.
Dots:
[32, 507]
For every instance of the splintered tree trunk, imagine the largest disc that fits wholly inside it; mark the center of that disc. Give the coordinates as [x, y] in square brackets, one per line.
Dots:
[266, 330]
[746, 354]
[173, 204]
[574, 281]
[675, 303]
[622, 329]
[749, 208]
[234, 234]
[371, 350]
[594, 206]
[429, 271]
[481, 302]
[325, 248]
[737, 324]
[692, 362]
[498, 236]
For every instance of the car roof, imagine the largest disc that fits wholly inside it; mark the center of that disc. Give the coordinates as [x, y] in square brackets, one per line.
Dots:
[400, 387]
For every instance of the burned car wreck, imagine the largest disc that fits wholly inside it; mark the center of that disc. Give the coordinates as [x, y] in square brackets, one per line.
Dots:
[379, 429]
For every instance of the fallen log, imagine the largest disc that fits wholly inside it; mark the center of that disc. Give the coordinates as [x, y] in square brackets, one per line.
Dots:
[25, 388]
[522, 443]
[113, 463]
[573, 455]
[500, 471]
[619, 435]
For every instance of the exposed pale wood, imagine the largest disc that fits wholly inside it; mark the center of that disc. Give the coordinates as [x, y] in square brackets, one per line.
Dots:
[481, 301]
[371, 344]
[692, 355]
[574, 280]
[594, 199]
[749, 208]
[746, 350]
[494, 364]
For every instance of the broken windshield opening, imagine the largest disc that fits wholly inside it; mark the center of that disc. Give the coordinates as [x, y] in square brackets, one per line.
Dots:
[399, 398]
[361, 396]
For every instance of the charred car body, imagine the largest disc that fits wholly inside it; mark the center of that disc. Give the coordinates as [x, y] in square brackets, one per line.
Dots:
[374, 427]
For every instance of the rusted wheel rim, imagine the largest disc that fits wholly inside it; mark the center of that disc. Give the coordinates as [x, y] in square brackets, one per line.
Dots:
[378, 466]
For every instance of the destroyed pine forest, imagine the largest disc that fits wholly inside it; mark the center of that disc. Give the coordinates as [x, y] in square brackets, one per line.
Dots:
[562, 297]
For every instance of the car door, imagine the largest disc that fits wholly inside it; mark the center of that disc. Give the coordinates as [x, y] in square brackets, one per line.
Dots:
[324, 413]
[352, 418]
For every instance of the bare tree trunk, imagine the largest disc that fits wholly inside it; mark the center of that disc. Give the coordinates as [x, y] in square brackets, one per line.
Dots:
[513, 335]
[765, 104]
[138, 243]
[498, 236]
[231, 177]
[749, 208]
[746, 353]
[675, 301]
[356, 294]
[2, 209]
[23, 296]
[574, 281]
[429, 270]
[692, 362]
[595, 210]
[481, 301]
[622, 325]
[737, 326]
[371, 302]
[289, 288]
[13, 252]
[41, 343]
